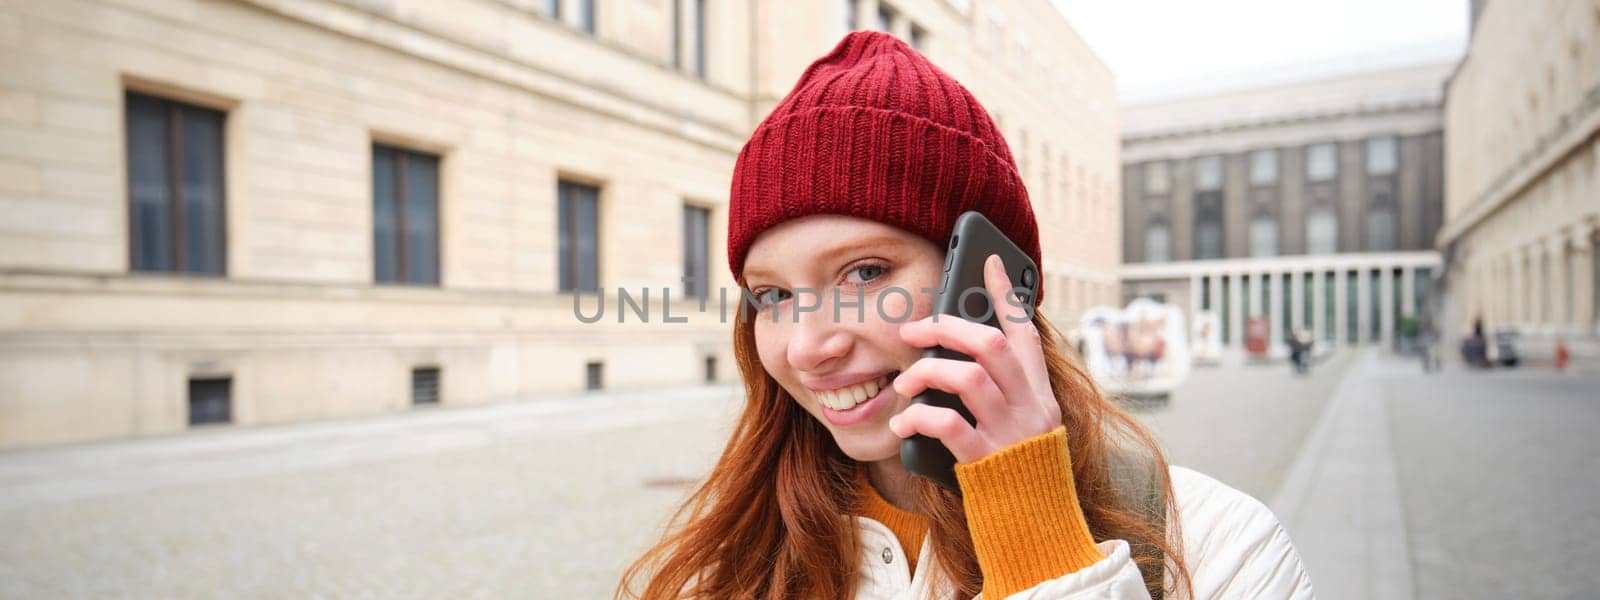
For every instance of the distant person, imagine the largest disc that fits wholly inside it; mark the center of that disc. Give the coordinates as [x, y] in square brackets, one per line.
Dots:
[853, 183]
[1475, 349]
[1300, 351]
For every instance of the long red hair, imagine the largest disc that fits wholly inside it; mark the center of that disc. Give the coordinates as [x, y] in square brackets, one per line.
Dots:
[772, 518]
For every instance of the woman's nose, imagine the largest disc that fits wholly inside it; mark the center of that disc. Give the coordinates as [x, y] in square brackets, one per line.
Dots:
[817, 340]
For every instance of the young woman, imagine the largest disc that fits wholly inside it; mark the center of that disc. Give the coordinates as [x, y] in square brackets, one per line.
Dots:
[842, 202]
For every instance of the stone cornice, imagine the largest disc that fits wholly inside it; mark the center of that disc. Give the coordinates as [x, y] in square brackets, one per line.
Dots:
[1575, 128]
[1275, 121]
[462, 55]
[1280, 264]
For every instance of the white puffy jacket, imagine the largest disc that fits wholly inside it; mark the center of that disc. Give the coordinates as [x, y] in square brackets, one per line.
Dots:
[1233, 546]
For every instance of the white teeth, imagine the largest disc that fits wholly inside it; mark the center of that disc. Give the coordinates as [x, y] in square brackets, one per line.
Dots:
[846, 397]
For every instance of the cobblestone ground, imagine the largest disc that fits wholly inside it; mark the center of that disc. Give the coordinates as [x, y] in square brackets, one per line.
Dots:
[551, 499]
[525, 501]
[1243, 424]
[1497, 476]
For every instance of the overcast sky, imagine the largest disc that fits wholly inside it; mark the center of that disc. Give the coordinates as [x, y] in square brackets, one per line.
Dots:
[1171, 48]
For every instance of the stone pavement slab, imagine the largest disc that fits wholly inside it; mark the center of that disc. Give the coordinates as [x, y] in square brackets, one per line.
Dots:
[544, 499]
[1341, 500]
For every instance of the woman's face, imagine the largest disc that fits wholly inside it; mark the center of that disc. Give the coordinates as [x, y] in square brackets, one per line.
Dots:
[839, 288]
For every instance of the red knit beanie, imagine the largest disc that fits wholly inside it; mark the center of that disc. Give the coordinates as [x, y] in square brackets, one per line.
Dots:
[874, 130]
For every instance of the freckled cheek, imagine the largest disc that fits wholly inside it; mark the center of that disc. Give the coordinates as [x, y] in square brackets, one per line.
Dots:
[897, 307]
[772, 343]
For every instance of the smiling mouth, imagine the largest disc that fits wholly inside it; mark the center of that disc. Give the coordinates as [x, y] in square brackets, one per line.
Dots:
[847, 397]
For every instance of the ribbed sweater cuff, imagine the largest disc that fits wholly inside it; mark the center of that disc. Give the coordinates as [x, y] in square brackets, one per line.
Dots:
[1022, 510]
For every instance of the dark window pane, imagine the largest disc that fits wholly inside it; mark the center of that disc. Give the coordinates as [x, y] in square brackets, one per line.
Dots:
[210, 401]
[696, 244]
[150, 217]
[587, 221]
[385, 241]
[593, 375]
[422, 218]
[577, 232]
[587, 15]
[1381, 230]
[1208, 240]
[405, 216]
[202, 191]
[700, 38]
[564, 237]
[425, 385]
[677, 33]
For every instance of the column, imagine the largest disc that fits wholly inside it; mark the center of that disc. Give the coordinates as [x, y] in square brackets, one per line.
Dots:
[900, 26]
[1216, 296]
[1194, 298]
[1408, 292]
[1556, 259]
[1386, 304]
[866, 14]
[1274, 312]
[1496, 290]
[1516, 292]
[1582, 279]
[1363, 305]
[1297, 298]
[1536, 291]
[1319, 305]
[1341, 307]
[1235, 310]
[1258, 294]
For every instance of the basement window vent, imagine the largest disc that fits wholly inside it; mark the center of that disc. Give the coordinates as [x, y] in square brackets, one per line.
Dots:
[210, 400]
[425, 385]
[593, 375]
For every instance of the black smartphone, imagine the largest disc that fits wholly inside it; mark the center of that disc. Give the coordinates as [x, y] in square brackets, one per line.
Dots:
[962, 295]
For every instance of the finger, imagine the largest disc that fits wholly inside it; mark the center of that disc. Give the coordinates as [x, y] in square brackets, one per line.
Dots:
[1014, 315]
[941, 424]
[991, 347]
[968, 380]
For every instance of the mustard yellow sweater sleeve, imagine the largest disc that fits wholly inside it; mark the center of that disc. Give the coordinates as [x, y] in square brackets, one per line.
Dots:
[1022, 510]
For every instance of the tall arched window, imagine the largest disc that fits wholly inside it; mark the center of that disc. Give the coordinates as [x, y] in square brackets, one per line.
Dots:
[1157, 243]
[1322, 231]
[1381, 228]
[1263, 236]
[1208, 239]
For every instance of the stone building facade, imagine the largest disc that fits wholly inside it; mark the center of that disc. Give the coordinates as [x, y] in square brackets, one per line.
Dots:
[1523, 203]
[268, 211]
[1313, 204]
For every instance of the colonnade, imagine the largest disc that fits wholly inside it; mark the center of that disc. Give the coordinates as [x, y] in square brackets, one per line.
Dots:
[1545, 284]
[1341, 300]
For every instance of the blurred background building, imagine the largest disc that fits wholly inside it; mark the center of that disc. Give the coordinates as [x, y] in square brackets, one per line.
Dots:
[1523, 189]
[266, 211]
[1313, 204]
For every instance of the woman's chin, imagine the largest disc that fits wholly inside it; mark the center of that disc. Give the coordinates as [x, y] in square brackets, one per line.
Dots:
[869, 447]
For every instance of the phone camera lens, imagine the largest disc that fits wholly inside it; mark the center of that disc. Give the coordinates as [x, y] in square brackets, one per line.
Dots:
[1027, 277]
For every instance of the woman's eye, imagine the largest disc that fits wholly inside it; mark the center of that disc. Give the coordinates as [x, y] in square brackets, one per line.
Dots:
[866, 273]
[771, 296]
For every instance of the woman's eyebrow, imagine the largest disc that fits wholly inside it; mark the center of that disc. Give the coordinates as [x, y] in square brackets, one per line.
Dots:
[871, 241]
[826, 254]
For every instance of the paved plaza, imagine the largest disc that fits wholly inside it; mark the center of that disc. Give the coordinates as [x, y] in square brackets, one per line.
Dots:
[1474, 484]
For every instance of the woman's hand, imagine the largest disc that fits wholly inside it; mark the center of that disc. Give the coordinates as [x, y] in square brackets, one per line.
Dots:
[1007, 390]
